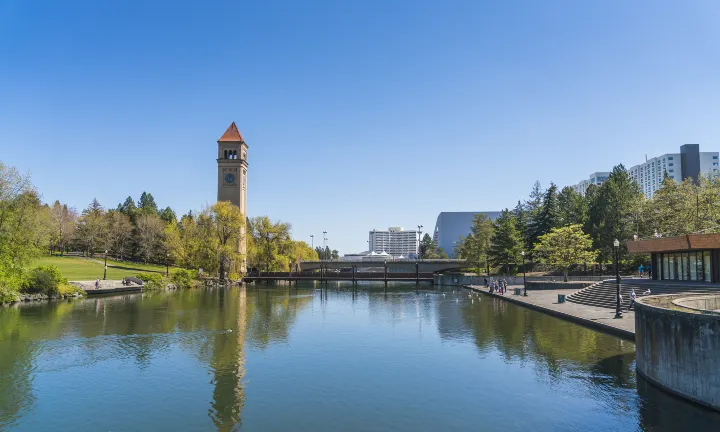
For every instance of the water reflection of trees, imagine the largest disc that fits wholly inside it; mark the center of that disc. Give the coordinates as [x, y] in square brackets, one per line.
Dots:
[523, 334]
[211, 325]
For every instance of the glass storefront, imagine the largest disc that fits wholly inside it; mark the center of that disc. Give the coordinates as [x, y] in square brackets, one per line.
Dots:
[689, 266]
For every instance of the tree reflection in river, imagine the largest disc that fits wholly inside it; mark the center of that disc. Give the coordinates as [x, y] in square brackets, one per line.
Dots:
[211, 325]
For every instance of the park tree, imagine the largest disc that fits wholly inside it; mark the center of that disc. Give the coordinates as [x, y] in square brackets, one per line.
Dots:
[168, 215]
[221, 230]
[302, 252]
[63, 220]
[19, 207]
[146, 204]
[506, 241]
[119, 233]
[572, 207]
[148, 237]
[564, 247]
[476, 246]
[546, 217]
[128, 208]
[427, 246]
[531, 210]
[91, 228]
[272, 244]
[182, 242]
[613, 212]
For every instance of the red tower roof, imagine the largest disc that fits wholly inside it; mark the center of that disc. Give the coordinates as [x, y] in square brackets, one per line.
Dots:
[232, 134]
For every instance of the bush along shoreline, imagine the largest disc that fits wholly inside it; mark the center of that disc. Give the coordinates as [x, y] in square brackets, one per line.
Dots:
[47, 283]
[43, 283]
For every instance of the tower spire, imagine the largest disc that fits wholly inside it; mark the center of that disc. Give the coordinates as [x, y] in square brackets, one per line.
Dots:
[232, 134]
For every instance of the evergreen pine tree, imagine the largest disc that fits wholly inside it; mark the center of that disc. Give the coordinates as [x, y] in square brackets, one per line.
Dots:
[506, 241]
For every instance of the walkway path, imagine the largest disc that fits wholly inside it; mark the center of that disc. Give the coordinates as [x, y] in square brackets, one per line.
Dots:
[598, 318]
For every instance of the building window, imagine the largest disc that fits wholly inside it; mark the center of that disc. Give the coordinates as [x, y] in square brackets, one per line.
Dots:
[670, 158]
[715, 157]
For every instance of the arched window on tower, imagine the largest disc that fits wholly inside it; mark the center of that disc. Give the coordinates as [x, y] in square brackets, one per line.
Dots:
[234, 154]
[226, 154]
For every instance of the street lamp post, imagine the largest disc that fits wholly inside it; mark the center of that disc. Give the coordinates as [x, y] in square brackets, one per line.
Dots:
[312, 241]
[420, 227]
[105, 271]
[524, 283]
[167, 264]
[618, 312]
[324, 240]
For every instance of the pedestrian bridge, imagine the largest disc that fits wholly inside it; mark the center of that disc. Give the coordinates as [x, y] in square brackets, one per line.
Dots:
[422, 266]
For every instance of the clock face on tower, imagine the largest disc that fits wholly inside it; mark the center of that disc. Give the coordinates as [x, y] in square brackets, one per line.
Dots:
[229, 178]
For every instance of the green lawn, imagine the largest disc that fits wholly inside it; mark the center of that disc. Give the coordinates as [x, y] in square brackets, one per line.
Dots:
[75, 268]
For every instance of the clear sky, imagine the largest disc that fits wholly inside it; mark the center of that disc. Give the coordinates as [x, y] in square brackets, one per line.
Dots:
[359, 115]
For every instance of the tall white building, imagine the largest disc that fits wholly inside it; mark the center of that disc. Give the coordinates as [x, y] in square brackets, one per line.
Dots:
[689, 163]
[396, 242]
[595, 179]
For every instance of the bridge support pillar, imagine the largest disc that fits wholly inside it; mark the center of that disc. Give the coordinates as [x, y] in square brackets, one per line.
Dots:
[385, 275]
[417, 273]
[353, 268]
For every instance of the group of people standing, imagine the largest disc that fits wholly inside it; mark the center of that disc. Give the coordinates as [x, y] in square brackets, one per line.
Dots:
[498, 286]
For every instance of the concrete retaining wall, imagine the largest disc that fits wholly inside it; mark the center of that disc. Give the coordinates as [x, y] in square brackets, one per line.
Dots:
[677, 350]
[705, 304]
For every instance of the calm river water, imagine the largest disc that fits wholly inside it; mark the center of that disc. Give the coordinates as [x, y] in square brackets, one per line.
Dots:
[265, 359]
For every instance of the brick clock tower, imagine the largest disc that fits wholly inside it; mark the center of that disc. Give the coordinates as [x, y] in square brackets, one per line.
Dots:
[232, 175]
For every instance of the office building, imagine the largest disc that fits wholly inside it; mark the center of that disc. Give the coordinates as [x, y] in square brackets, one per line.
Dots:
[451, 226]
[689, 163]
[396, 242]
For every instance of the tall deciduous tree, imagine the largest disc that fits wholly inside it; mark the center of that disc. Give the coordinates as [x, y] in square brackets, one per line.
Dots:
[506, 241]
[563, 247]
[119, 233]
[19, 207]
[149, 237]
[272, 244]
[91, 228]
[221, 226]
[63, 219]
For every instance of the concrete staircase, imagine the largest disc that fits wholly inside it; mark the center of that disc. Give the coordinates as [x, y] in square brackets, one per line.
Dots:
[602, 294]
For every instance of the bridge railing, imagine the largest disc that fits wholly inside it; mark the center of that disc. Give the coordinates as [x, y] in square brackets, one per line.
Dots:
[340, 275]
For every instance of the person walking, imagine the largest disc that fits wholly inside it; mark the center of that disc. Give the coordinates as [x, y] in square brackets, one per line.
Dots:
[633, 296]
[486, 282]
[97, 284]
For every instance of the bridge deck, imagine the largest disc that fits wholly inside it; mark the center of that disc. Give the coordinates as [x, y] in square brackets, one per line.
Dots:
[344, 276]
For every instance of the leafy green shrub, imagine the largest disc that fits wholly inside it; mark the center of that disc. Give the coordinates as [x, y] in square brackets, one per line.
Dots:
[152, 281]
[45, 279]
[8, 295]
[69, 290]
[184, 278]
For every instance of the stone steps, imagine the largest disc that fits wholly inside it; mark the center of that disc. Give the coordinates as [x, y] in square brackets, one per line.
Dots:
[602, 294]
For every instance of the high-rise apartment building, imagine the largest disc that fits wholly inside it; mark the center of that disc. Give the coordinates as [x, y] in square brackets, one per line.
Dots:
[395, 241]
[689, 163]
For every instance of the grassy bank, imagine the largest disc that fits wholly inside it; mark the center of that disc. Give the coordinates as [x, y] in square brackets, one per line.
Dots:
[75, 268]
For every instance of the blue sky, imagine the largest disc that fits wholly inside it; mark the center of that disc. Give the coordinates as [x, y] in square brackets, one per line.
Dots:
[359, 115]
